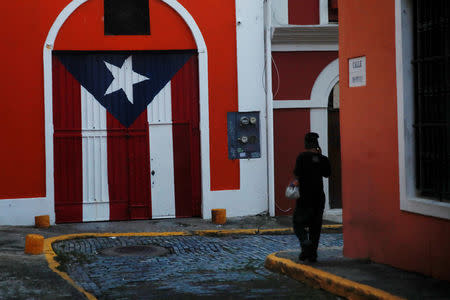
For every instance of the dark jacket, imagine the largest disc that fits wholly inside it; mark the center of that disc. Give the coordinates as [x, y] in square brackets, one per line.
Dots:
[310, 168]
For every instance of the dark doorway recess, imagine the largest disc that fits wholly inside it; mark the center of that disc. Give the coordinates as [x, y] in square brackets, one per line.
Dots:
[334, 149]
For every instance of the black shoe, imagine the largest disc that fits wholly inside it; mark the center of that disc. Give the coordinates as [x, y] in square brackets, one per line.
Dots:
[303, 256]
[312, 259]
[306, 250]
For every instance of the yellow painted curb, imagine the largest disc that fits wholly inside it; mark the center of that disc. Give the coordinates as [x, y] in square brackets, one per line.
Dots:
[254, 231]
[277, 230]
[332, 226]
[324, 280]
[225, 231]
[53, 264]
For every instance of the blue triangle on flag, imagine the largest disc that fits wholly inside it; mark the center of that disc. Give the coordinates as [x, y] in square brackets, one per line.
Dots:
[150, 72]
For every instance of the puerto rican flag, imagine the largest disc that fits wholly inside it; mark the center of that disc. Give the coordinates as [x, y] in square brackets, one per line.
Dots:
[126, 141]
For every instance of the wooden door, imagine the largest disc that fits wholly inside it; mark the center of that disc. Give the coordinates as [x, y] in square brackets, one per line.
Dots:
[126, 146]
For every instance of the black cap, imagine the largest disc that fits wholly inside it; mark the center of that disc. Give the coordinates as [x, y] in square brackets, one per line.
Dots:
[311, 140]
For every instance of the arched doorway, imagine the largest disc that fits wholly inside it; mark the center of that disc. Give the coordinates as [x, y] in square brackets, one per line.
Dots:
[334, 149]
[96, 135]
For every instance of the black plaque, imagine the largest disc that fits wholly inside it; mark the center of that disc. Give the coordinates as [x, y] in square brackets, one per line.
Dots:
[127, 17]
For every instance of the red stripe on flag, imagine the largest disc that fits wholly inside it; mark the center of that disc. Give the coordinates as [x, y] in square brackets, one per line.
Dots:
[67, 145]
[186, 140]
[129, 169]
[139, 162]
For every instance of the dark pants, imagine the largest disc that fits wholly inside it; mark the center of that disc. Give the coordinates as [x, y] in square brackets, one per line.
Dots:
[311, 218]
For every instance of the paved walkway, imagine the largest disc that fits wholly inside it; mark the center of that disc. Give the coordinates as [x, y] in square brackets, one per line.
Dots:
[356, 278]
[197, 266]
[25, 276]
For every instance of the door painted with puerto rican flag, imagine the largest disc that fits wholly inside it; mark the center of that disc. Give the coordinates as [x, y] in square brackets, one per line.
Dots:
[126, 135]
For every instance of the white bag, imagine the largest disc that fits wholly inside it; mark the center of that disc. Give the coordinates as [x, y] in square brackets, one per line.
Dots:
[292, 192]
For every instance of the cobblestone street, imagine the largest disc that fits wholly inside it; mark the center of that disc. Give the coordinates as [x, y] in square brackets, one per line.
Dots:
[196, 266]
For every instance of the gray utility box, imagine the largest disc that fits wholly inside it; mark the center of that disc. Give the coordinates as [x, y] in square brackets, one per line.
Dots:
[243, 135]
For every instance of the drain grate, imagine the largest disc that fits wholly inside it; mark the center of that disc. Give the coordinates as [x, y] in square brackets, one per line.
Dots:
[142, 250]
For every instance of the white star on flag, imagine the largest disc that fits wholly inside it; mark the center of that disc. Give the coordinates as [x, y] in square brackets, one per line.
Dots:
[122, 78]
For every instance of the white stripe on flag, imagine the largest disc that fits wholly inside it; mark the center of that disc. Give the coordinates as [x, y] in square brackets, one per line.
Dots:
[161, 154]
[95, 159]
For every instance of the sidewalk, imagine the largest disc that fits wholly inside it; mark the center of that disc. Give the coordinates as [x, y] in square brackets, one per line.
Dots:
[357, 279]
[29, 277]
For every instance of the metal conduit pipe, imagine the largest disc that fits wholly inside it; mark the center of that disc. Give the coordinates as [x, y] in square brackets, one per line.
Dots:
[269, 107]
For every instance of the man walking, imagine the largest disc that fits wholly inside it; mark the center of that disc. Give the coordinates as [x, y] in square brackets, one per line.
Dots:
[310, 167]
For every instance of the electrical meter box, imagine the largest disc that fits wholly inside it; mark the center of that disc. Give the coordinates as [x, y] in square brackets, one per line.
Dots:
[243, 135]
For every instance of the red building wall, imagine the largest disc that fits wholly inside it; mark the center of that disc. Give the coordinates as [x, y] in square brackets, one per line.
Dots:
[290, 127]
[374, 225]
[303, 12]
[294, 73]
[22, 124]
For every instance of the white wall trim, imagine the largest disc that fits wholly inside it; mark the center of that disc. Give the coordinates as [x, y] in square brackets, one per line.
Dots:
[48, 97]
[33, 207]
[279, 13]
[323, 46]
[269, 105]
[409, 201]
[285, 104]
[323, 12]
[319, 124]
[334, 215]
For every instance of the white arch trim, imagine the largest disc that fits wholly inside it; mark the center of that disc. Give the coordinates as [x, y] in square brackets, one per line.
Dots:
[48, 96]
[324, 84]
[319, 121]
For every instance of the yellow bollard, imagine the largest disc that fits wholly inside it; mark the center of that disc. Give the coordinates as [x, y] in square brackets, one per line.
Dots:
[42, 221]
[34, 244]
[219, 215]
